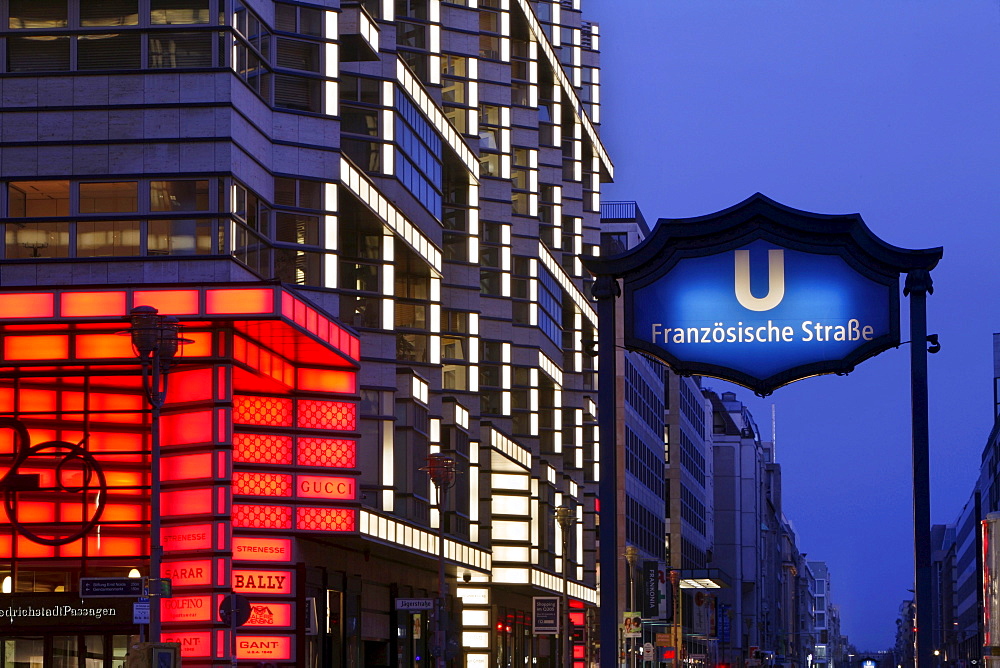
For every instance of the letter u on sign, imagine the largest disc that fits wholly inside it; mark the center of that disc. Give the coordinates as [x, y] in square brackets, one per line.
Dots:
[775, 280]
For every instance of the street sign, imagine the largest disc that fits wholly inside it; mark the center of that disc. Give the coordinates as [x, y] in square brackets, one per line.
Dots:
[110, 587]
[662, 639]
[140, 613]
[647, 652]
[414, 603]
[242, 609]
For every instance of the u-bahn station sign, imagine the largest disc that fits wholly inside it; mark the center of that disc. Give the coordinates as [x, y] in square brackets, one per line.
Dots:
[762, 294]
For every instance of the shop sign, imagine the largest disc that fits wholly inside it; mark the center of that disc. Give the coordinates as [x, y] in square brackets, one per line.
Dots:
[186, 537]
[189, 573]
[275, 614]
[19, 610]
[262, 549]
[262, 582]
[194, 644]
[325, 487]
[187, 609]
[546, 617]
[270, 648]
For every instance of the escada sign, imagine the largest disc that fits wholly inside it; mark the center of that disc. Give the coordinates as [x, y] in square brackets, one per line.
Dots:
[762, 294]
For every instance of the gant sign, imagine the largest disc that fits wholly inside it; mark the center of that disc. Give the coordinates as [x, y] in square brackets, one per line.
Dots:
[761, 294]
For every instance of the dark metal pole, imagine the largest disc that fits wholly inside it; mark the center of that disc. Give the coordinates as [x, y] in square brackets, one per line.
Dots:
[605, 291]
[918, 286]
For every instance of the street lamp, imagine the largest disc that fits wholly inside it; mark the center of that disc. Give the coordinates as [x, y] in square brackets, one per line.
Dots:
[564, 516]
[441, 469]
[155, 342]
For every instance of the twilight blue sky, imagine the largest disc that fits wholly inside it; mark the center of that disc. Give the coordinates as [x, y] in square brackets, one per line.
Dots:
[887, 108]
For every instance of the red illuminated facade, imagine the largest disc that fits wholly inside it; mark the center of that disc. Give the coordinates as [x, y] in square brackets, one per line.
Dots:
[258, 449]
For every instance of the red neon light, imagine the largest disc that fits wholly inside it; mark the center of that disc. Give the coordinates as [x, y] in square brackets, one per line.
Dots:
[192, 385]
[238, 301]
[270, 614]
[579, 651]
[327, 452]
[262, 549]
[27, 548]
[189, 572]
[38, 347]
[246, 581]
[112, 442]
[325, 487]
[186, 467]
[187, 537]
[185, 428]
[186, 609]
[91, 304]
[262, 449]
[576, 618]
[121, 408]
[194, 644]
[277, 648]
[315, 414]
[269, 411]
[325, 519]
[173, 302]
[262, 484]
[102, 346]
[27, 305]
[200, 345]
[328, 380]
[257, 516]
[186, 502]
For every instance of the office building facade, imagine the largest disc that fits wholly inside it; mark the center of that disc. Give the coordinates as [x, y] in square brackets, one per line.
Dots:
[422, 176]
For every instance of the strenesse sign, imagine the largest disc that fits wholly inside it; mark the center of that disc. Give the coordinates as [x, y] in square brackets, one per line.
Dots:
[761, 294]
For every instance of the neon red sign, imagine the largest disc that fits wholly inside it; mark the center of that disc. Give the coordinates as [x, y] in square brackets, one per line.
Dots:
[278, 648]
[187, 537]
[262, 582]
[189, 573]
[325, 487]
[262, 549]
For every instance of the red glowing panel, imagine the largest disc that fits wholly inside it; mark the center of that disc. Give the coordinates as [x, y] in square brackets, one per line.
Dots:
[262, 449]
[188, 573]
[270, 648]
[119, 408]
[193, 385]
[576, 618]
[325, 487]
[200, 344]
[27, 305]
[235, 301]
[116, 546]
[194, 644]
[39, 347]
[168, 302]
[184, 428]
[269, 411]
[259, 516]
[262, 549]
[103, 346]
[579, 651]
[112, 442]
[262, 484]
[186, 467]
[28, 548]
[263, 613]
[186, 609]
[122, 512]
[186, 537]
[327, 452]
[328, 380]
[35, 512]
[6, 549]
[325, 519]
[123, 479]
[246, 581]
[186, 502]
[91, 304]
[339, 415]
[7, 399]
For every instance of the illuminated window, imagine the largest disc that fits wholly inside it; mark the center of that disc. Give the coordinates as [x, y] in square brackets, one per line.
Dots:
[107, 238]
[37, 14]
[178, 195]
[120, 197]
[172, 12]
[34, 199]
[182, 237]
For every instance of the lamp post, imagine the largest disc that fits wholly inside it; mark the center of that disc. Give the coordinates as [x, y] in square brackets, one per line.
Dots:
[631, 557]
[564, 516]
[155, 342]
[441, 469]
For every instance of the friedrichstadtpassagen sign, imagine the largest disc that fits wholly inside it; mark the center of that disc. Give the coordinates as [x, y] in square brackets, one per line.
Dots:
[762, 294]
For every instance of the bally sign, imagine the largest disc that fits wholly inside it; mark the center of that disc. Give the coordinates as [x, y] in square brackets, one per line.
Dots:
[262, 582]
[761, 294]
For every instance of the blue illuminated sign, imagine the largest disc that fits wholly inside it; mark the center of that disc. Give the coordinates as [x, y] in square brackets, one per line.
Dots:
[762, 309]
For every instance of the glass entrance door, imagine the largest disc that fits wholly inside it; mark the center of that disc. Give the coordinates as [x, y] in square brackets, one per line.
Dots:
[64, 651]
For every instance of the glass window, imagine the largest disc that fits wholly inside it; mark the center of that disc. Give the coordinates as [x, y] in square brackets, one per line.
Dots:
[37, 14]
[296, 228]
[169, 50]
[109, 13]
[29, 199]
[296, 266]
[297, 54]
[42, 53]
[113, 197]
[180, 195]
[101, 238]
[108, 52]
[297, 93]
[303, 20]
[180, 237]
[172, 12]
[30, 240]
